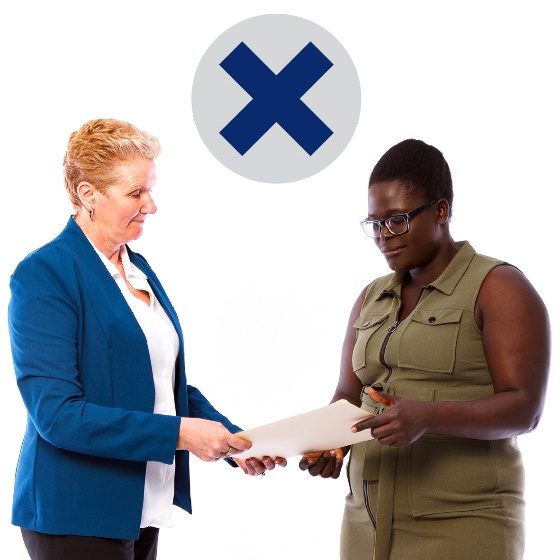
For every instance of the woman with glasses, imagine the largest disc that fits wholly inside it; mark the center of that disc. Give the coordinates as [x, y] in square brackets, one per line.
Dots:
[450, 354]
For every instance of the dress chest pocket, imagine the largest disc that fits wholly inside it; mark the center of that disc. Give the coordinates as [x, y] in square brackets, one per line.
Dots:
[366, 326]
[429, 341]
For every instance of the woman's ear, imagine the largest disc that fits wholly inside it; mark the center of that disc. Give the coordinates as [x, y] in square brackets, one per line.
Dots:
[442, 207]
[86, 194]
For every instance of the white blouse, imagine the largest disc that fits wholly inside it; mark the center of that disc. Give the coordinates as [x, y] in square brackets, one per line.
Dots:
[163, 345]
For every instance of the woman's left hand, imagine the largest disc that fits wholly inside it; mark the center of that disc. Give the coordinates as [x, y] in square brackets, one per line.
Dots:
[401, 424]
[253, 466]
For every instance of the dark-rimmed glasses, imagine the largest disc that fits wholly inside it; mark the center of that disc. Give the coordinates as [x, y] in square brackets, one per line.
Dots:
[397, 224]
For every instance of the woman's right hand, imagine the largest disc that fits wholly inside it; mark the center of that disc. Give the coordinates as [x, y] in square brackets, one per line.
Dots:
[327, 464]
[209, 440]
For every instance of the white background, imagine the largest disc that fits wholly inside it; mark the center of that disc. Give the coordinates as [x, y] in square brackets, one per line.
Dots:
[263, 276]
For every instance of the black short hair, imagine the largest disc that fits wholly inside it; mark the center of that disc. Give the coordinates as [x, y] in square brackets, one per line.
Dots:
[421, 168]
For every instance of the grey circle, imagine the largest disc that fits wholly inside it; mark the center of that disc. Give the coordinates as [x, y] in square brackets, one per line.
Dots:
[276, 157]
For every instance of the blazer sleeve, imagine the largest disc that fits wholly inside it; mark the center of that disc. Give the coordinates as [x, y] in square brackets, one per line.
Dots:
[45, 314]
[200, 407]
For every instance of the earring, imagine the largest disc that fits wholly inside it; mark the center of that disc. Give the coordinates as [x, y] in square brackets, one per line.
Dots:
[91, 213]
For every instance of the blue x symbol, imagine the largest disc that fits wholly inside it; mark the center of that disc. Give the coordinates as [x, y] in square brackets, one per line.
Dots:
[276, 98]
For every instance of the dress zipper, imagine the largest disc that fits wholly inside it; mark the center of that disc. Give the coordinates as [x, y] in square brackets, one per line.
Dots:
[390, 331]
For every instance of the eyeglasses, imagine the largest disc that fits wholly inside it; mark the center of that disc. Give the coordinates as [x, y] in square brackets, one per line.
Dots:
[397, 224]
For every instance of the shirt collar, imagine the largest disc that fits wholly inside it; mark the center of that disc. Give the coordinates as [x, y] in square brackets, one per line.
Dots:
[129, 268]
[449, 278]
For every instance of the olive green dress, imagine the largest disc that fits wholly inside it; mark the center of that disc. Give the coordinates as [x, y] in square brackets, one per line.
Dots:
[443, 497]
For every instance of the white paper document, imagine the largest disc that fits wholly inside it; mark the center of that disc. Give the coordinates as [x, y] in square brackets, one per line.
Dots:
[317, 430]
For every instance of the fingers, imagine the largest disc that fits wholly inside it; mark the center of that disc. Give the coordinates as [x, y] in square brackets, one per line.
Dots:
[231, 451]
[309, 459]
[381, 398]
[218, 452]
[255, 467]
[238, 443]
[209, 440]
[241, 464]
[366, 424]
[373, 421]
[327, 464]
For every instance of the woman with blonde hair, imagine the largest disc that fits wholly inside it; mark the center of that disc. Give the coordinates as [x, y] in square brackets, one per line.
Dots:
[99, 359]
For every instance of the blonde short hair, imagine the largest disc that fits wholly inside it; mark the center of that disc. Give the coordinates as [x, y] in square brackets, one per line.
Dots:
[97, 150]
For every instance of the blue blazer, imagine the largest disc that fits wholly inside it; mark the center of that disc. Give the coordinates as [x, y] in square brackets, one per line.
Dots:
[84, 373]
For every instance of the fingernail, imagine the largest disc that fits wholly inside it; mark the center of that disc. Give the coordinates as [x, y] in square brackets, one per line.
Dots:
[354, 429]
